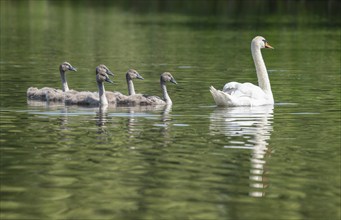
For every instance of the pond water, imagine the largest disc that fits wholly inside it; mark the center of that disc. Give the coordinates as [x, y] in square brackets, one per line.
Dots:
[192, 160]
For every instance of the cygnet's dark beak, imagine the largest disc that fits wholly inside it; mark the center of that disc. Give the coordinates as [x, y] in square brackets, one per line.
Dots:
[72, 69]
[138, 76]
[108, 80]
[173, 81]
[110, 73]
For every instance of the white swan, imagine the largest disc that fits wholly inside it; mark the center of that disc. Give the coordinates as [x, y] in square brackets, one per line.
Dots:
[130, 75]
[247, 94]
[51, 94]
[94, 98]
[140, 99]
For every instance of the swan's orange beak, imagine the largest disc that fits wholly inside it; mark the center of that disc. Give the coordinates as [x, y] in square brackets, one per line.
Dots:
[267, 45]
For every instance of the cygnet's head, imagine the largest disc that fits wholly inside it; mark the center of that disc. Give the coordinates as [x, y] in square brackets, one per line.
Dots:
[167, 77]
[102, 68]
[260, 42]
[133, 74]
[102, 74]
[66, 66]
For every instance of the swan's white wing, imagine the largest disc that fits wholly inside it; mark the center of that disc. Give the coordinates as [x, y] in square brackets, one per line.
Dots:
[243, 90]
[221, 98]
[239, 94]
[231, 87]
[251, 91]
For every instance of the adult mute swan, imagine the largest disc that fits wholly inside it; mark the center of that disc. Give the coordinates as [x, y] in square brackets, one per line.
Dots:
[94, 98]
[130, 75]
[247, 94]
[51, 94]
[140, 99]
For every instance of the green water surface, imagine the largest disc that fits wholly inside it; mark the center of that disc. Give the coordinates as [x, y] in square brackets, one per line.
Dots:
[190, 161]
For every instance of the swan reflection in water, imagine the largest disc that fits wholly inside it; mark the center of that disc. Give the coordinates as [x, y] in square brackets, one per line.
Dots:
[51, 108]
[134, 117]
[134, 122]
[101, 119]
[252, 127]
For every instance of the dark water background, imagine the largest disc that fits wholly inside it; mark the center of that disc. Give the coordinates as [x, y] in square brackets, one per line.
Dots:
[193, 161]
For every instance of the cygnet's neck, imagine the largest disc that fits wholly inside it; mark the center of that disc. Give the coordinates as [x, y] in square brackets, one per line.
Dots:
[131, 89]
[165, 93]
[65, 87]
[101, 93]
[262, 74]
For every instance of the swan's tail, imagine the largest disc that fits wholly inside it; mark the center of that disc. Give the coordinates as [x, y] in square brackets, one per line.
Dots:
[221, 98]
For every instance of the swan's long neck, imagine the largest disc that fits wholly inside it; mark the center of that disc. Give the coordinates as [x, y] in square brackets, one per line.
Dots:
[131, 89]
[65, 87]
[101, 92]
[165, 93]
[262, 74]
